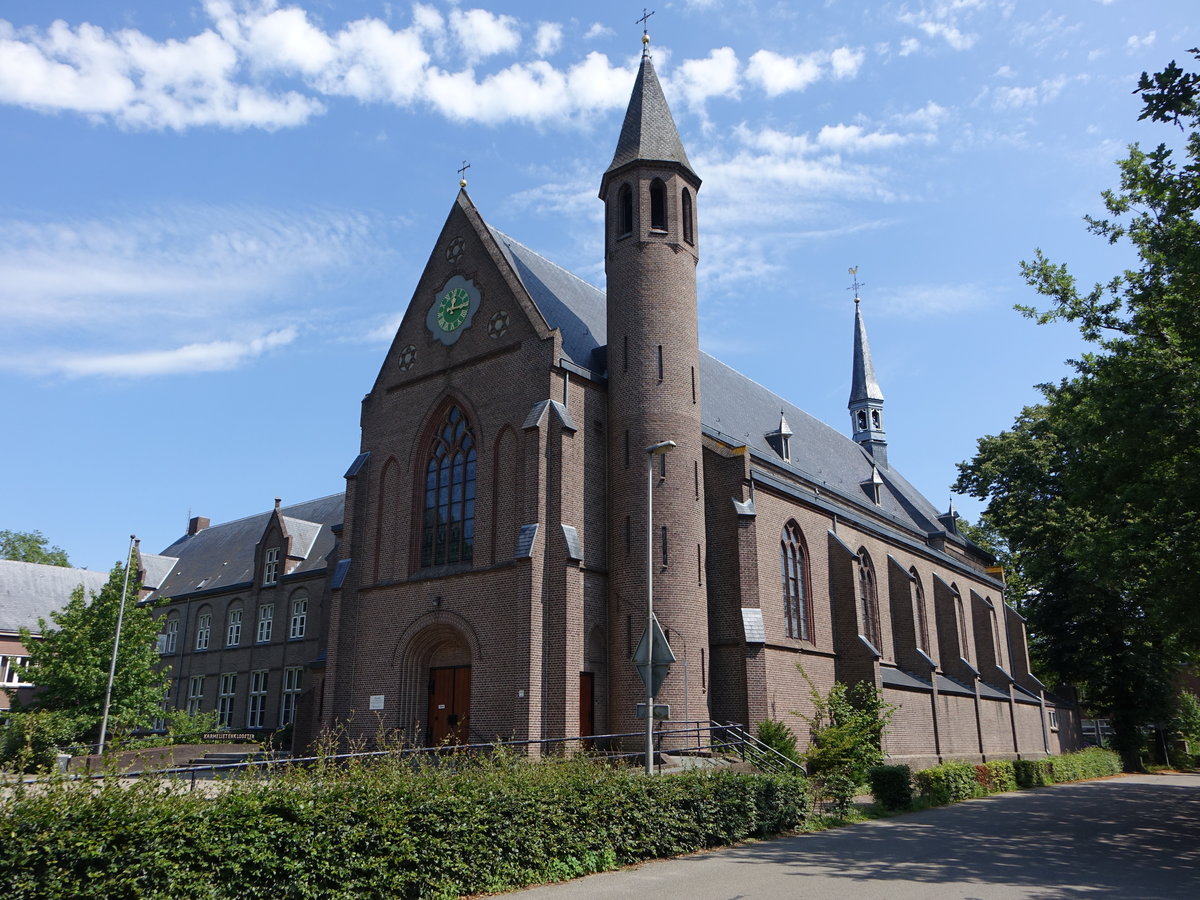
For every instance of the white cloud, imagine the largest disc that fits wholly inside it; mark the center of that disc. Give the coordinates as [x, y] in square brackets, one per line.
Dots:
[216, 356]
[854, 139]
[1004, 72]
[1013, 98]
[195, 278]
[483, 34]
[908, 46]
[846, 62]
[941, 21]
[929, 117]
[958, 40]
[929, 299]
[714, 76]
[548, 38]
[1140, 42]
[597, 30]
[778, 74]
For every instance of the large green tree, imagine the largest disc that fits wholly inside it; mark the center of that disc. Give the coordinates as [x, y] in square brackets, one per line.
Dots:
[32, 547]
[1097, 488]
[70, 661]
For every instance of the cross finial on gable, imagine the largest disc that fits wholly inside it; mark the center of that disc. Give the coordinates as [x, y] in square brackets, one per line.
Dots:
[856, 284]
[462, 174]
[645, 33]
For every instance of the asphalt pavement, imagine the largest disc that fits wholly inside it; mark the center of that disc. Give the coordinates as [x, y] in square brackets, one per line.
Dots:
[1132, 837]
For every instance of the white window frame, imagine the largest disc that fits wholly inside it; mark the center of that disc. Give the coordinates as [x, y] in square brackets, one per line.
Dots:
[12, 670]
[225, 699]
[233, 631]
[271, 566]
[203, 631]
[293, 678]
[170, 636]
[257, 705]
[195, 697]
[266, 621]
[299, 618]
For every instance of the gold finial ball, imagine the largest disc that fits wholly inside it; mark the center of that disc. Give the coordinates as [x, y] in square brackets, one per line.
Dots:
[645, 38]
[462, 182]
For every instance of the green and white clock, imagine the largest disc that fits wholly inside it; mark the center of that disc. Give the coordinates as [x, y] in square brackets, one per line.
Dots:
[454, 307]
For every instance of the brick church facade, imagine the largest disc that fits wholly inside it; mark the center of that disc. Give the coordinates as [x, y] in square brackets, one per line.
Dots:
[485, 573]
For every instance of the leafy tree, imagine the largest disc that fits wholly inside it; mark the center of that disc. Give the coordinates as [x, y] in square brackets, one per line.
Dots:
[846, 730]
[1097, 488]
[70, 662]
[31, 547]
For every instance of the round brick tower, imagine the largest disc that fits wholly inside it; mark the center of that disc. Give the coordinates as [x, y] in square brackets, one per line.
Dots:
[651, 251]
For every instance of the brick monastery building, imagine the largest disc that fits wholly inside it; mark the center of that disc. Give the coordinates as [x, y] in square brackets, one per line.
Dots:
[485, 573]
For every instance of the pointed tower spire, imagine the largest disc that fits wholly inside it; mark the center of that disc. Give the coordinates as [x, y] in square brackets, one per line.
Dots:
[866, 398]
[648, 133]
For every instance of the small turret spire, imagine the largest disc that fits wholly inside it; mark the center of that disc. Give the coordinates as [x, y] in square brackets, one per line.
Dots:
[866, 397]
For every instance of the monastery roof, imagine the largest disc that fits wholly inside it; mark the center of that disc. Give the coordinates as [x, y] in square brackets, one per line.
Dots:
[733, 406]
[29, 591]
[222, 556]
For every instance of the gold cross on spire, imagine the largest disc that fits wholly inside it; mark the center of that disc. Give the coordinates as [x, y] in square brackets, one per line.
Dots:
[462, 174]
[645, 33]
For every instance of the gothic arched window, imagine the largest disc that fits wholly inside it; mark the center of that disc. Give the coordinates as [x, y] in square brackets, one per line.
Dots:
[795, 601]
[658, 205]
[869, 598]
[918, 599]
[624, 210]
[960, 613]
[448, 525]
[688, 234]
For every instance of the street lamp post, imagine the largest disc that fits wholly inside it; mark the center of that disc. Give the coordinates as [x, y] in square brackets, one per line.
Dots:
[659, 449]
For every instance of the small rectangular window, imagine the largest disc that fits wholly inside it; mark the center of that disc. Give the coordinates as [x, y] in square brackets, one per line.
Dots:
[699, 566]
[266, 618]
[664, 545]
[203, 631]
[233, 634]
[299, 619]
[696, 476]
[662, 465]
[225, 699]
[693, 385]
[170, 637]
[258, 699]
[195, 695]
[660, 363]
[271, 566]
[291, 693]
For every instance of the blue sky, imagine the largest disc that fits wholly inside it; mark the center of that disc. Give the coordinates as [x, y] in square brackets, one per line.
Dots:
[213, 214]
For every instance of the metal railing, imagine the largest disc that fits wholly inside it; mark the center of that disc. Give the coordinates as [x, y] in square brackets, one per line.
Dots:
[674, 743]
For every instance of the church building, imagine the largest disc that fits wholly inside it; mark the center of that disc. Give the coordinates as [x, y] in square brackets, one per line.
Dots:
[536, 456]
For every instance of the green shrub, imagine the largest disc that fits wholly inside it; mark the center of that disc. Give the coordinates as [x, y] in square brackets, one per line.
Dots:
[30, 741]
[948, 783]
[779, 738]
[892, 786]
[1000, 776]
[394, 829]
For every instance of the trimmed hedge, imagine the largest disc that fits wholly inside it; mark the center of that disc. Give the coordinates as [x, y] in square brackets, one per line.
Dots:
[892, 786]
[386, 830]
[950, 782]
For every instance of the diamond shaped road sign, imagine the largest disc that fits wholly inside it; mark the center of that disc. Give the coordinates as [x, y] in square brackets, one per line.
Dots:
[663, 657]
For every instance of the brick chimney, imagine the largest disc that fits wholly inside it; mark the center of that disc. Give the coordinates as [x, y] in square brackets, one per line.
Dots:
[197, 524]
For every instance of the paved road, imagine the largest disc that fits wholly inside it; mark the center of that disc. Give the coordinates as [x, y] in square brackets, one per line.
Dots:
[1128, 837]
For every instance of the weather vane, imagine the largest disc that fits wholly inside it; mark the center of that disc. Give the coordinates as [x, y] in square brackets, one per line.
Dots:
[645, 33]
[462, 174]
[856, 284]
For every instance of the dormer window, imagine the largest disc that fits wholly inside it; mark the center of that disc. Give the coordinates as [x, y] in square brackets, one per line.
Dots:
[658, 205]
[271, 566]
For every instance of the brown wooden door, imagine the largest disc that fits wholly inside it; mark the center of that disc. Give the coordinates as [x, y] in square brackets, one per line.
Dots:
[587, 704]
[449, 705]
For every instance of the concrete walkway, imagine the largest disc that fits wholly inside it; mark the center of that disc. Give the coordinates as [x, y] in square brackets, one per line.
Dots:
[1134, 836]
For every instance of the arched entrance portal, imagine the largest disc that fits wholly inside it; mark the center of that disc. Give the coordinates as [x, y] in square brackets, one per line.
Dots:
[449, 710]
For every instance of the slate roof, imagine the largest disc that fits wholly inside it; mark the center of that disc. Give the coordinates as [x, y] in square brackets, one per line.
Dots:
[863, 385]
[222, 556]
[29, 591]
[648, 132]
[732, 406]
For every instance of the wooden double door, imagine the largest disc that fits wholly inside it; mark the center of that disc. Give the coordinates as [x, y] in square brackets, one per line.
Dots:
[449, 715]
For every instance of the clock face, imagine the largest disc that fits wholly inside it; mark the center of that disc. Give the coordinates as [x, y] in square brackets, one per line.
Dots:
[452, 309]
[454, 306]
